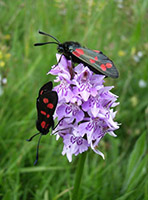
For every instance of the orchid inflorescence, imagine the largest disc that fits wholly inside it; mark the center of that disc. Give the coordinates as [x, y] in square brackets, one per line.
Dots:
[85, 108]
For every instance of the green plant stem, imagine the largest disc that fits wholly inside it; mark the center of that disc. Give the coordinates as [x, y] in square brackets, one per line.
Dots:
[79, 172]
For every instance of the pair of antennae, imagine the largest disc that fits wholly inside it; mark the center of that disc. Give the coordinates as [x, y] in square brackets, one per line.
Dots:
[30, 139]
[37, 149]
[40, 44]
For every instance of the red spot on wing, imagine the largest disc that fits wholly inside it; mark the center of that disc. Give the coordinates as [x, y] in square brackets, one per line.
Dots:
[46, 126]
[48, 115]
[108, 65]
[43, 124]
[50, 106]
[41, 92]
[103, 67]
[96, 58]
[92, 61]
[43, 112]
[45, 100]
[78, 52]
[96, 51]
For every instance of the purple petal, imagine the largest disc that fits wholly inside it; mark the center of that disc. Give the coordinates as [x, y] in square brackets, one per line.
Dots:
[97, 151]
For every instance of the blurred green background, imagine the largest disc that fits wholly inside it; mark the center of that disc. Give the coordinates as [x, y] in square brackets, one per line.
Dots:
[119, 29]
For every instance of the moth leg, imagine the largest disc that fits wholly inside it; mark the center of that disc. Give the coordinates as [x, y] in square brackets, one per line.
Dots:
[59, 122]
[71, 71]
[72, 61]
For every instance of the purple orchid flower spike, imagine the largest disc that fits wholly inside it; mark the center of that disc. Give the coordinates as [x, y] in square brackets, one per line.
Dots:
[85, 108]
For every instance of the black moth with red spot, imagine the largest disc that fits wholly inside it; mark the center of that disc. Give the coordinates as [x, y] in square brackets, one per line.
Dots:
[46, 104]
[94, 59]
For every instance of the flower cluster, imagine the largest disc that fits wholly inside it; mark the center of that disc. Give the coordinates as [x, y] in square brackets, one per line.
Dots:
[84, 108]
[4, 58]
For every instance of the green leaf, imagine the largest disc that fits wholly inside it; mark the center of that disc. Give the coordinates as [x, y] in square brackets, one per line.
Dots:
[136, 168]
[124, 197]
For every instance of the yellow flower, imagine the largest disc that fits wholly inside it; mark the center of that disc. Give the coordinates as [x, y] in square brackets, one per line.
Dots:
[133, 51]
[7, 37]
[121, 53]
[1, 55]
[2, 63]
[8, 55]
[134, 101]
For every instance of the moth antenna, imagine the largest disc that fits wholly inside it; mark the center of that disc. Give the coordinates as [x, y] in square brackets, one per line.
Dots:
[43, 33]
[37, 151]
[40, 44]
[32, 137]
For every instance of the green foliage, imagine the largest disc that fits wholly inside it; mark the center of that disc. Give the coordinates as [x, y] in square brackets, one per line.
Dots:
[119, 29]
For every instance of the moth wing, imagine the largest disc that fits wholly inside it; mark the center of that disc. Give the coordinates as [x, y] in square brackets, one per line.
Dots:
[46, 105]
[46, 88]
[96, 61]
